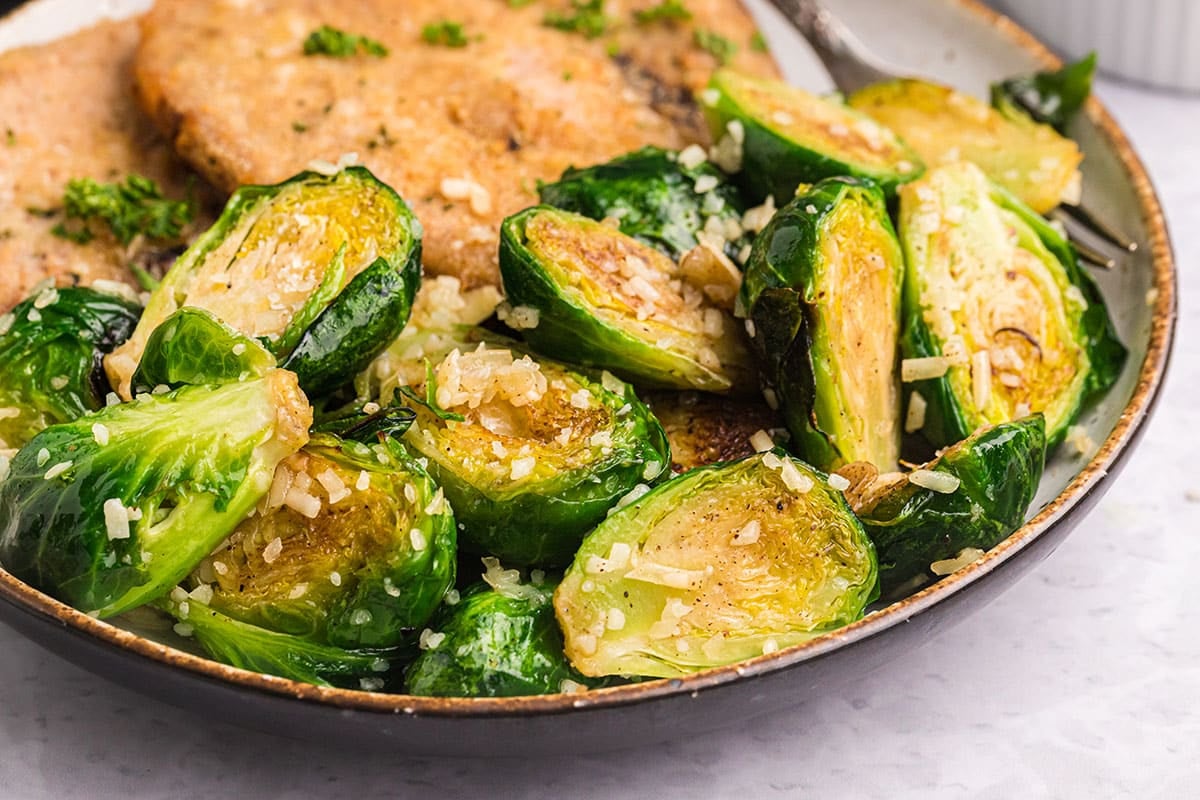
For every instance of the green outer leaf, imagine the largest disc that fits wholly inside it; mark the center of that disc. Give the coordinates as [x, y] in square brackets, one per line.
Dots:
[999, 469]
[652, 195]
[65, 343]
[775, 165]
[530, 522]
[495, 646]
[205, 454]
[357, 326]
[1053, 97]
[824, 525]
[784, 278]
[569, 330]
[193, 347]
[250, 647]
[951, 419]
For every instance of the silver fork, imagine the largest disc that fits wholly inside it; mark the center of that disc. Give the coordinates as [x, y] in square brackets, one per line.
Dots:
[852, 66]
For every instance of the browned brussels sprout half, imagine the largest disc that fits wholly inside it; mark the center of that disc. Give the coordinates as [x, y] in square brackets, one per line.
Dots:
[718, 565]
[999, 320]
[822, 290]
[788, 137]
[1028, 158]
[591, 295]
[321, 269]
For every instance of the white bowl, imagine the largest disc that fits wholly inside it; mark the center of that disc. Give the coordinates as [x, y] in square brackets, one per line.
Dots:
[1149, 41]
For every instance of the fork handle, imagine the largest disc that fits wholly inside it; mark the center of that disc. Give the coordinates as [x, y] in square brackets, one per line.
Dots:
[845, 58]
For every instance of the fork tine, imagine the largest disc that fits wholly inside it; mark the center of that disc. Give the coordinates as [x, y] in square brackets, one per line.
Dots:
[844, 57]
[1078, 217]
[1093, 256]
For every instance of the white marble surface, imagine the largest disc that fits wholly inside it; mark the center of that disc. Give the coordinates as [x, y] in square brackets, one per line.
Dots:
[1082, 682]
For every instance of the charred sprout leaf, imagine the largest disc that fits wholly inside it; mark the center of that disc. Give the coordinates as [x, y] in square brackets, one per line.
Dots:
[250, 647]
[999, 320]
[822, 290]
[329, 41]
[265, 270]
[1053, 97]
[110, 511]
[944, 126]
[495, 642]
[654, 198]
[995, 474]
[541, 453]
[50, 349]
[130, 209]
[584, 17]
[192, 346]
[606, 300]
[668, 11]
[366, 422]
[788, 137]
[353, 546]
[721, 564]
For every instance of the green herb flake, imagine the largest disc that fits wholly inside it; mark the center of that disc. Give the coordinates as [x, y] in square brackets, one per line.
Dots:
[585, 17]
[299, 127]
[669, 11]
[10, 137]
[717, 45]
[519, 3]
[130, 209]
[381, 138]
[329, 41]
[445, 33]
[758, 43]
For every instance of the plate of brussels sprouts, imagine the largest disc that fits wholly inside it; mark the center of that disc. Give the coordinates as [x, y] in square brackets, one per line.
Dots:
[743, 421]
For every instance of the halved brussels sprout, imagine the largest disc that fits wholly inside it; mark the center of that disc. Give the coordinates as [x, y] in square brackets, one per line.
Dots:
[321, 269]
[353, 546]
[999, 320]
[1029, 159]
[789, 137]
[718, 565]
[597, 297]
[993, 476]
[656, 197]
[1052, 97]
[111, 510]
[822, 290]
[247, 646]
[192, 346]
[705, 429]
[530, 453]
[497, 641]
[50, 347]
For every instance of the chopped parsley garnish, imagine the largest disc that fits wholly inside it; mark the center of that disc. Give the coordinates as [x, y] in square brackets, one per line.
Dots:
[328, 41]
[758, 43]
[10, 138]
[130, 209]
[666, 11]
[299, 127]
[381, 138]
[585, 17]
[519, 3]
[447, 33]
[721, 48]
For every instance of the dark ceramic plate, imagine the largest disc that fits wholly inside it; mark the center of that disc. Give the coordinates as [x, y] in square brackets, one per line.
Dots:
[957, 41]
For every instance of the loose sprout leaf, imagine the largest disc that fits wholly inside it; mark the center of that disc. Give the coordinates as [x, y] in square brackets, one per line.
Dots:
[1053, 97]
[262, 269]
[358, 424]
[718, 565]
[608, 301]
[653, 197]
[193, 347]
[494, 645]
[790, 137]
[49, 350]
[353, 546]
[823, 292]
[130, 209]
[997, 468]
[944, 126]
[329, 41]
[996, 292]
[429, 400]
[137, 507]
[240, 644]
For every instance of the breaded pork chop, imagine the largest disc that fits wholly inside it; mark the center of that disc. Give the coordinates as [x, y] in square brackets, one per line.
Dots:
[67, 110]
[464, 133]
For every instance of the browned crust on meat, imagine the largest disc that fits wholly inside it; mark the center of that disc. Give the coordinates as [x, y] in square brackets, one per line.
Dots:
[229, 84]
[69, 111]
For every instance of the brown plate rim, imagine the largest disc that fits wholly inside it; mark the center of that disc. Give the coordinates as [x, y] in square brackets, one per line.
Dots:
[1132, 418]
